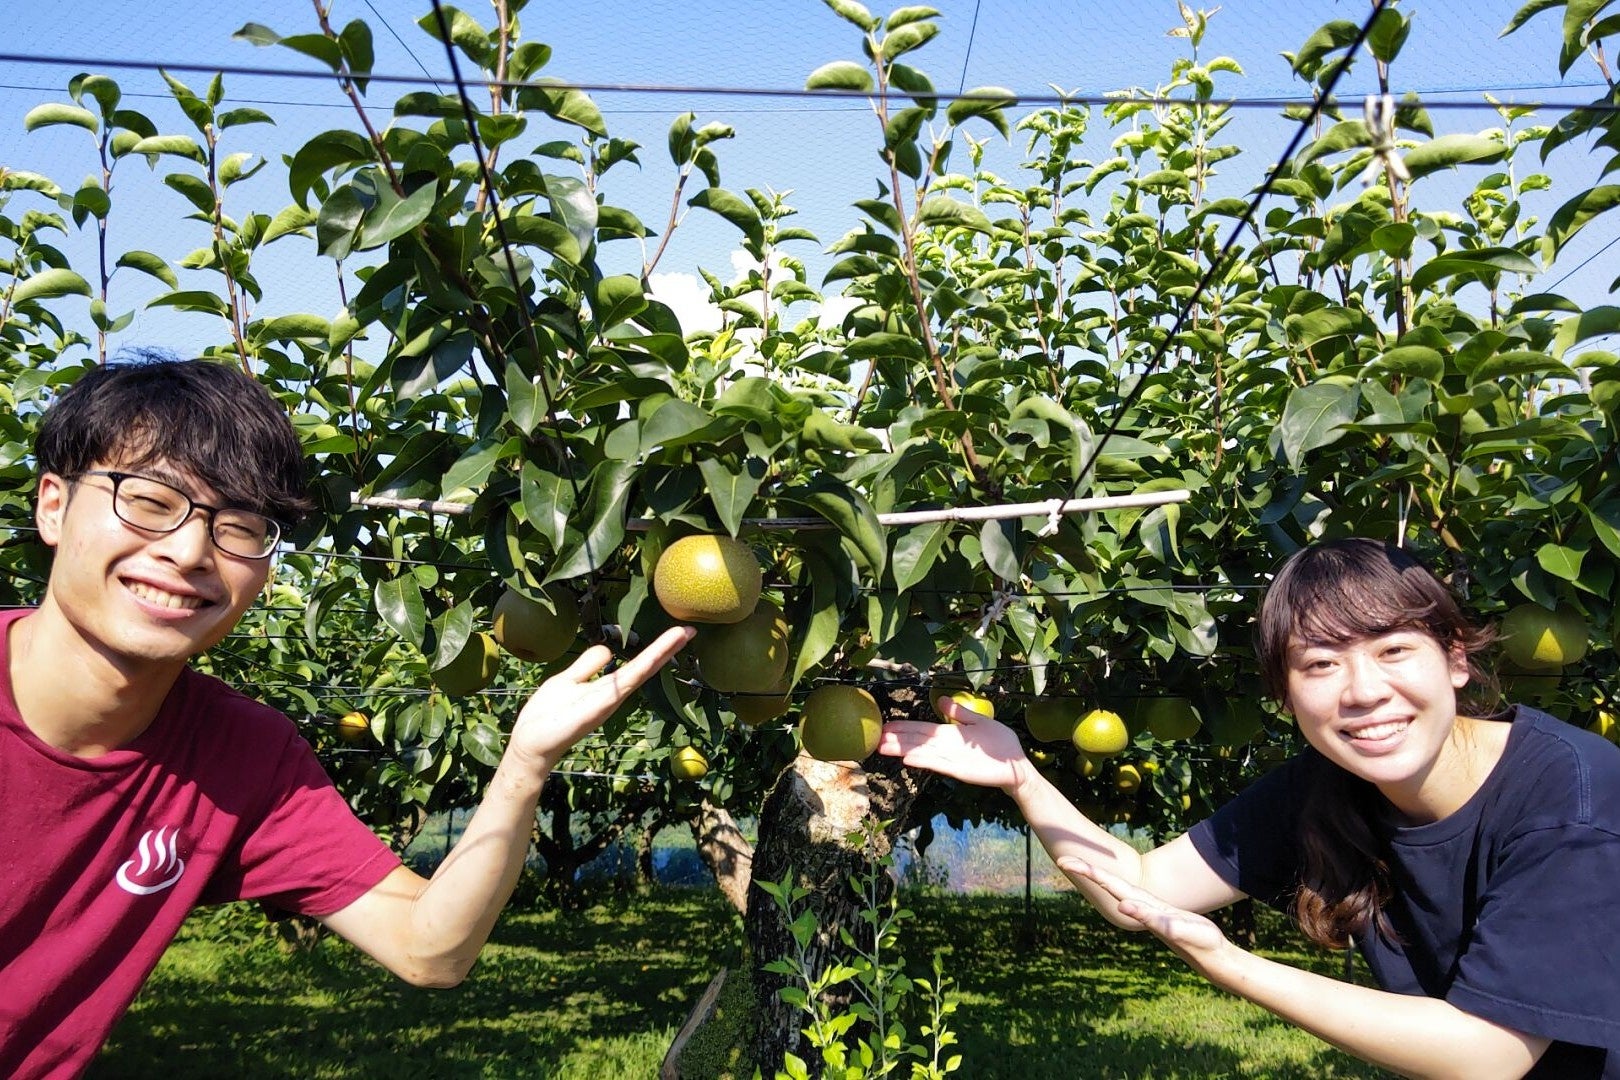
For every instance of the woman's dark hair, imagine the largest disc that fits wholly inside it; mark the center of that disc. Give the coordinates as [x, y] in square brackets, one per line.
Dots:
[206, 419]
[1331, 593]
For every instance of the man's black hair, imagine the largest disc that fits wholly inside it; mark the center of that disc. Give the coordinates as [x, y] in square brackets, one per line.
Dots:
[200, 418]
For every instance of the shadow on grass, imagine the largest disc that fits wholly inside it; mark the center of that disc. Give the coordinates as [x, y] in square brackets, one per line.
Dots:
[549, 986]
[1072, 996]
[599, 992]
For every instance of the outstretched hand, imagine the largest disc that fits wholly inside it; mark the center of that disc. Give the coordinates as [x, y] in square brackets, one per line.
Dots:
[1191, 936]
[974, 749]
[569, 706]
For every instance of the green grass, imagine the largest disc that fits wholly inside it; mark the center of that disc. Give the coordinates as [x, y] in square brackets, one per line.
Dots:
[599, 993]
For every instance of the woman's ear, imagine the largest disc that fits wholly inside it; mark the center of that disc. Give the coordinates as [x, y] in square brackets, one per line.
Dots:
[50, 504]
[1457, 662]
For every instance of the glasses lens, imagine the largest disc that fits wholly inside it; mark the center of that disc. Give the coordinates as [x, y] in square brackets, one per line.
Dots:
[155, 506]
[148, 504]
[244, 533]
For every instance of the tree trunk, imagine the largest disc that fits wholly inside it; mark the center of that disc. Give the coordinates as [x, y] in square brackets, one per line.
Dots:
[646, 872]
[565, 856]
[804, 833]
[725, 851]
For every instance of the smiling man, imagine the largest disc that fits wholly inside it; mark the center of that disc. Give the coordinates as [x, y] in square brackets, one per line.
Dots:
[133, 788]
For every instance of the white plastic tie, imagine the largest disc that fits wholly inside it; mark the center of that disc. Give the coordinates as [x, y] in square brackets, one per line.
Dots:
[1380, 115]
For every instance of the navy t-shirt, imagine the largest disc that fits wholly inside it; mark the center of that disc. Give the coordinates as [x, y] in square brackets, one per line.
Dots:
[1506, 909]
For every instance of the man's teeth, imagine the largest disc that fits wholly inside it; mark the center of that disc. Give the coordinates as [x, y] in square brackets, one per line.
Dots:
[165, 599]
[1378, 731]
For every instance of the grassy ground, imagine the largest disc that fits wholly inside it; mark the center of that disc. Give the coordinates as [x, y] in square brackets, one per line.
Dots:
[599, 993]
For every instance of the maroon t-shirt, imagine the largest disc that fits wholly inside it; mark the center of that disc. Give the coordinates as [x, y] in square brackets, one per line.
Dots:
[102, 858]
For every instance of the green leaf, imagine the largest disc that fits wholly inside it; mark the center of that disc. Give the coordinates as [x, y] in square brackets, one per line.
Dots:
[910, 14]
[20, 180]
[824, 569]
[1560, 562]
[1451, 150]
[1573, 216]
[1522, 362]
[148, 263]
[840, 75]
[915, 551]
[471, 470]
[293, 219]
[238, 117]
[56, 113]
[734, 209]
[1484, 261]
[548, 501]
[1410, 361]
[326, 151]
[1345, 135]
[338, 223]
[908, 38]
[853, 516]
[525, 398]
[732, 492]
[615, 300]
[1605, 521]
[1594, 322]
[393, 217]
[192, 300]
[854, 12]
[1313, 416]
[675, 423]
[574, 205]
[1324, 323]
[532, 230]
[483, 743]
[399, 603]
[173, 145]
[985, 102]
[563, 103]
[823, 432]
[610, 487]
[942, 212]
[291, 327]
[996, 544]
[879, 345]
[1387, 34]
[1331, 36]
[49, 284]
[453, 629]
[194, 188]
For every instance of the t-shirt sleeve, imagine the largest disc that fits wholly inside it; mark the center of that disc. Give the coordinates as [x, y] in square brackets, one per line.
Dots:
[1542, 958]
[1251, 841]
[307, 853]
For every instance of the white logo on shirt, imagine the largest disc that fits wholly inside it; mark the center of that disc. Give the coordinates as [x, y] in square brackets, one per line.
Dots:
[160, 864]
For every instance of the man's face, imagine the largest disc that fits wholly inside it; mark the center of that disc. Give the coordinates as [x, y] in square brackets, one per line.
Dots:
[141, 597]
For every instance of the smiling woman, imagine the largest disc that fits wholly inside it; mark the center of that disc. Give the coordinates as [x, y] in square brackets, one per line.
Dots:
[1458, 851]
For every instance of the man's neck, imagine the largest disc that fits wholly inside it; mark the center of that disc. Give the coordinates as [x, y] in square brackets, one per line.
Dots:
[76, 697]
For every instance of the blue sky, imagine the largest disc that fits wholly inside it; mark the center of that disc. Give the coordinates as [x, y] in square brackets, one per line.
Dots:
[823, 150]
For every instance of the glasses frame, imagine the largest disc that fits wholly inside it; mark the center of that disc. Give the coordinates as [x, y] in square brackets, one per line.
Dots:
[210, 513]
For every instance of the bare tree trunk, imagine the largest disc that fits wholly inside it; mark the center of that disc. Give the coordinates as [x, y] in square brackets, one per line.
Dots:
[805, 833]
[646, 873]
[725, 851]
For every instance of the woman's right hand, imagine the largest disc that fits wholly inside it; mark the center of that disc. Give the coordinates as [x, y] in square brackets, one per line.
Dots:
[973, 749]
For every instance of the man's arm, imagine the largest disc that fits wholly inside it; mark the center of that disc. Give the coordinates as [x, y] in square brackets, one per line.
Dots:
[429, 931]
[1412, 1036]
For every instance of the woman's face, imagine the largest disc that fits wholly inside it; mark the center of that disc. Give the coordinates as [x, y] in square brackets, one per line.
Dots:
[1382, 707]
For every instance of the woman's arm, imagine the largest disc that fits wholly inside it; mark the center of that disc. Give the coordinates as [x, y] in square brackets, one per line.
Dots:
[980, 751]
[1413, 1036]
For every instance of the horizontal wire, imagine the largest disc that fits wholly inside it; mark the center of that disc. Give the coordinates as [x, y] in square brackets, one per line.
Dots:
[650, 89]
